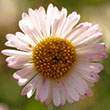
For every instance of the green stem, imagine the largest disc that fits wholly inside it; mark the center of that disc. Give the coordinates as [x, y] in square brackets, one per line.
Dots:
[52, 107]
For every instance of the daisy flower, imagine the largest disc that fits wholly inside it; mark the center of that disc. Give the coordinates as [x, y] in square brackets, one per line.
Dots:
[55, 60]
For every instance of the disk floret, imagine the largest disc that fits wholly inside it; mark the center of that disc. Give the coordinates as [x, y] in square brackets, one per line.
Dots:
[53, 57]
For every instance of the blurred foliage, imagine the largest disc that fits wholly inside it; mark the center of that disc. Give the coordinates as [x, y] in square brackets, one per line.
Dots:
[96, 11]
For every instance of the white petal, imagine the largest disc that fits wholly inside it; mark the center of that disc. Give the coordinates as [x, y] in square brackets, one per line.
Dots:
[71, 21]
[17, 59]
[62, 94]
[19, 44]
[49, 18]
[76, 35]
[10, 52]
[28, 70]
[78, 83]
[24, 38]
[56, 94]
[72, 33]
[49, 99]
[31, 87]
[9, 44]
[87, 74]
[91, 49]
[45, 91]
[17, 62]
[59, 23]
[94, 38]
[42, 20]
[71, 91]
[24, 75]
[39, 88]
[28, 31]
[34, 20]
[86, 34]
[55, 26]
[93, 57]
[67, 96]
[96, 67]
[54, 16]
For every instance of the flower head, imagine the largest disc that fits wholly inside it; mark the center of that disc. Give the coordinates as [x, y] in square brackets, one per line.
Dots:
[55, 59]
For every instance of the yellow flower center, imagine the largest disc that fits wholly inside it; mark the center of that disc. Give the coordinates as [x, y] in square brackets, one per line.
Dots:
[53, 57]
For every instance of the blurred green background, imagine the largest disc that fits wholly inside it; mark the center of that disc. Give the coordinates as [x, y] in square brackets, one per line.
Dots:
[95, 11]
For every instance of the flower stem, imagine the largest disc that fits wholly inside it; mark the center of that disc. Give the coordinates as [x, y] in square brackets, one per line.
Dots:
[52, 107]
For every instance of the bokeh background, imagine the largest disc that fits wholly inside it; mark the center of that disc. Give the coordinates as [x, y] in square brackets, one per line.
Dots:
[95, 11]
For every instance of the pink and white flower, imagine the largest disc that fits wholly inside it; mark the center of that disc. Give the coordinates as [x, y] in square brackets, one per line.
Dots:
[55, 26]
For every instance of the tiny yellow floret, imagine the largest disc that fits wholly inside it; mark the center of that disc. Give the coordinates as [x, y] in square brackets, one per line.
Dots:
[53, 57]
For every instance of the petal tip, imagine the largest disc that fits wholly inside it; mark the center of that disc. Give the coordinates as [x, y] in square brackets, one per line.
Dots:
[50, 5]
[100, 36]
[3, 51]
[24, 14]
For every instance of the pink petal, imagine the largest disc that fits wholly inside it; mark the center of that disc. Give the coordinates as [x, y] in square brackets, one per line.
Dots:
[28, 70]
[76, 35]
[78, 83]
[31, 87]
[93, 57]
[86, 34]
[94, 38]
[86, 73]
[28, 30]
[62, 94]
[35, 22]
[64, 90]
[45, 91]
[71, 91]
[56, 94]
[72, 33]
[41, 17]
[39, 88]
[92, 49]
[71, 21]
[10, 52]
